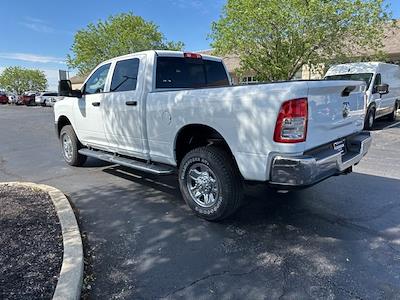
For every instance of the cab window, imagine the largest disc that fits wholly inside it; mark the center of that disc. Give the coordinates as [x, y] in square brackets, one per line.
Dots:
[97, 81]
[180, 72]
[125, 75]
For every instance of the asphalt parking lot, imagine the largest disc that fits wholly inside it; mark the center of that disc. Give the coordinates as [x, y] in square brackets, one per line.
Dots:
[337, 240]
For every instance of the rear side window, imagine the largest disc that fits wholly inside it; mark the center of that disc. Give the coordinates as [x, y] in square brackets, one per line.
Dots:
[125, 75]
[179, 72]
[216, 74]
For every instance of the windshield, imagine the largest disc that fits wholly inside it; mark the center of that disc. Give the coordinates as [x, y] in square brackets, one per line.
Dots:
[366, 77]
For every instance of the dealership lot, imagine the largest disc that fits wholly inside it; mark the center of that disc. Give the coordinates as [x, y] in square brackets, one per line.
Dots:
[340, 238]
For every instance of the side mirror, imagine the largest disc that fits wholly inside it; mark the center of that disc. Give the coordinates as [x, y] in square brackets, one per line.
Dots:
[65, 89]
[382, 89]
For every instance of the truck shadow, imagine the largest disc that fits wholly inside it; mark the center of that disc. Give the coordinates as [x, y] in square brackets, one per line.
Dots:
[383, 122]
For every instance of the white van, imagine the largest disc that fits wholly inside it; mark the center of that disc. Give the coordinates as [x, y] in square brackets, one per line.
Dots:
[383, 87]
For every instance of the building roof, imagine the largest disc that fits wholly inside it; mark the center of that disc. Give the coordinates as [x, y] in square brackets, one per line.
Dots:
[391, 42]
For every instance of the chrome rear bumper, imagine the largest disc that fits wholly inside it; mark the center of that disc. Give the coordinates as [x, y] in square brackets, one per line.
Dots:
[316, 165]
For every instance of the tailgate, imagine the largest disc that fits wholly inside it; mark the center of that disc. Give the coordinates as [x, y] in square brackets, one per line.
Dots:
[336, 109]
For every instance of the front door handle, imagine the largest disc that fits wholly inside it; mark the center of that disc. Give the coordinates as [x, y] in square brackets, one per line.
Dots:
[131, 103]
[96, 103]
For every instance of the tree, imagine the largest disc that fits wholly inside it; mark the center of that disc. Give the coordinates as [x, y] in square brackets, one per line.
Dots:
[118, 35]
[275, 38]
[19, 80]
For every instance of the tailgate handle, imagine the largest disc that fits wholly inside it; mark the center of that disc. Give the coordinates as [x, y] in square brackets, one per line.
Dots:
[96, 103]
[347, 91]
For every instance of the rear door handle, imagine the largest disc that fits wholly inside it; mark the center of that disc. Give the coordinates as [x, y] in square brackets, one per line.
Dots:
[96, 103]
[131, 103]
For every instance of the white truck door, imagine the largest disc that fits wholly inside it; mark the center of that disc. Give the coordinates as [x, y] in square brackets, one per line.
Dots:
[389, 99]
[88, 116]
[123, 105]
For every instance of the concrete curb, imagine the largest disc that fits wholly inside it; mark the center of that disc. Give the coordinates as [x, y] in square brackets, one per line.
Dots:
[70, 280]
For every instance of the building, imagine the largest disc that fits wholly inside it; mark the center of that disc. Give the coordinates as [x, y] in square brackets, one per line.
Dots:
[77, 81]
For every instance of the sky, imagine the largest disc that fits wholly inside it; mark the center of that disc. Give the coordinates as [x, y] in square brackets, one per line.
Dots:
[39, 34]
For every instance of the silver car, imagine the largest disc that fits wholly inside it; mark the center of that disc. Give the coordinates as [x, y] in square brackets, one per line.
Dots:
[46, 98]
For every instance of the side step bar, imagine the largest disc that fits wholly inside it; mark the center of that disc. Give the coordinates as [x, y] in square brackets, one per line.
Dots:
[130, 163]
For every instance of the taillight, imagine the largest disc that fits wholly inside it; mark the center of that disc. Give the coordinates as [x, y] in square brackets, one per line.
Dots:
[291, 125]
[191, 55]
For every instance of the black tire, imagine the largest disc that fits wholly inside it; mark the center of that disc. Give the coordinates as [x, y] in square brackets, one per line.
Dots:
[369, 119]
[31, 103]
[72, 157]
[227, 178]
[392, 116]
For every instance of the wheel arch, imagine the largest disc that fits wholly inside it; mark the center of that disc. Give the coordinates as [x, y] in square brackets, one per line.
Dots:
[61, 122]
[196, 135]
[372, 105]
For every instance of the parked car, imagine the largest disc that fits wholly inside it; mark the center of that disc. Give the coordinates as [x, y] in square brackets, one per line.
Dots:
[54, 100]
[12, 98]
[166, 111]
[383, 87]
[28, 98]
[3, 98]
[45, 98]
[20, 100]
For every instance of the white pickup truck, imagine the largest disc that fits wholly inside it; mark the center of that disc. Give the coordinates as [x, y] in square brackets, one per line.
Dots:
[163, 111]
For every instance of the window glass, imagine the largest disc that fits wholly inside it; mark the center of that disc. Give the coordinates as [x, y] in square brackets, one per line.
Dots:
[179, 72]
[96, 82]
[216, 74]
[49, 94]
[125, 75]
[378, 80]
[248, 79]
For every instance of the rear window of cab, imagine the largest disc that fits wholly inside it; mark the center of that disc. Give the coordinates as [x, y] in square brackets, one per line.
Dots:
[183, 72]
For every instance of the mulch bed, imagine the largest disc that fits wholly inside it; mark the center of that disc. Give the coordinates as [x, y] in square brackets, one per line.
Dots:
[31, 246]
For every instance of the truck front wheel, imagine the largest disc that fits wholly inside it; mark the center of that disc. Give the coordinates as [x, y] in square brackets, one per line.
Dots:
[369, 119]
[70, 146]
[210, 183]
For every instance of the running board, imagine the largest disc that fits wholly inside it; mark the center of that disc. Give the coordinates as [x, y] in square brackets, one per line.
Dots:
[127, 162]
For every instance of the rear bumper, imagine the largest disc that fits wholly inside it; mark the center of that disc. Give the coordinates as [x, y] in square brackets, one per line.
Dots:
[288, 172]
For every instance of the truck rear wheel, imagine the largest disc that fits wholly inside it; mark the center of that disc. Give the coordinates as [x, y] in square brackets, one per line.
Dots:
[392, 116]
[210, 183]
[70, 146]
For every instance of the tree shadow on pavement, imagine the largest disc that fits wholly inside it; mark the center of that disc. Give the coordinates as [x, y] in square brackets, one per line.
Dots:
[328, 241]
